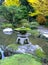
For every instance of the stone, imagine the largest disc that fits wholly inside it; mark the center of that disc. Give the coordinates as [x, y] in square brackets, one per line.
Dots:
[46, 35]
[20, 50]
[8, 31]
[28, 48]
[22, 38]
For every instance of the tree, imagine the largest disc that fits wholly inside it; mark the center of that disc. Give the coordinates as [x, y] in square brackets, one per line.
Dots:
[11, 2]
[28, 6]
[40, 6]
[14, 13]
[21, 2]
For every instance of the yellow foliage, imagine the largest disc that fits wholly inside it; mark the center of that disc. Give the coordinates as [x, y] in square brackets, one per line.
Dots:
[41, 19]
[32, 1]
[34, 14]
[11, 2]
[40, 5]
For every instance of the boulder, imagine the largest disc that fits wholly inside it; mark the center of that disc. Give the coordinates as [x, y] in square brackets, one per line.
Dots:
[8, 31]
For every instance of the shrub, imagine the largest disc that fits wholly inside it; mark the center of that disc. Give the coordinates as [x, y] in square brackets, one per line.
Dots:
[22, 30]
[41, 19]
[34, 25]
[12, 47]
[4, 25]
[46, 24]
[25, 23]
[40, 53]
[35, 33]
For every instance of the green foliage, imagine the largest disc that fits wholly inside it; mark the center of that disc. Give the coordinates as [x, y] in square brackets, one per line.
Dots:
[28, 6]
[20, 59]
[13, 46]
[25, 23]
[14, 13]
[4, 25]
[45, 48]
[40, 53]
[46, 24]
[34, 25]
[35, 33]
[22, 30]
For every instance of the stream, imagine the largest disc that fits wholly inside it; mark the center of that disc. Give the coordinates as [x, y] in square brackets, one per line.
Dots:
[2, 53]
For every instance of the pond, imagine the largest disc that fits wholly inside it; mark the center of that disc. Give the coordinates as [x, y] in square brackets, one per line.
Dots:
[11, 39]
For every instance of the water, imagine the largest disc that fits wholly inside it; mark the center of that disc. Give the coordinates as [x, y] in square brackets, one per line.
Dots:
[2, 53]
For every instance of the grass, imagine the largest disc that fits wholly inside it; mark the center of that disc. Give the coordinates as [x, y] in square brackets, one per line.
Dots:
[21, 59]
[7, 39]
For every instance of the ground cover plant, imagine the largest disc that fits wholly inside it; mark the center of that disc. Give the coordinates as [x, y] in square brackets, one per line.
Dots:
[21, 59]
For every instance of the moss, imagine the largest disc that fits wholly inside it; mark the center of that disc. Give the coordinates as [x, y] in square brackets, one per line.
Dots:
[13, 46]
[4, 25]
[20, 59]
[40, 53]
